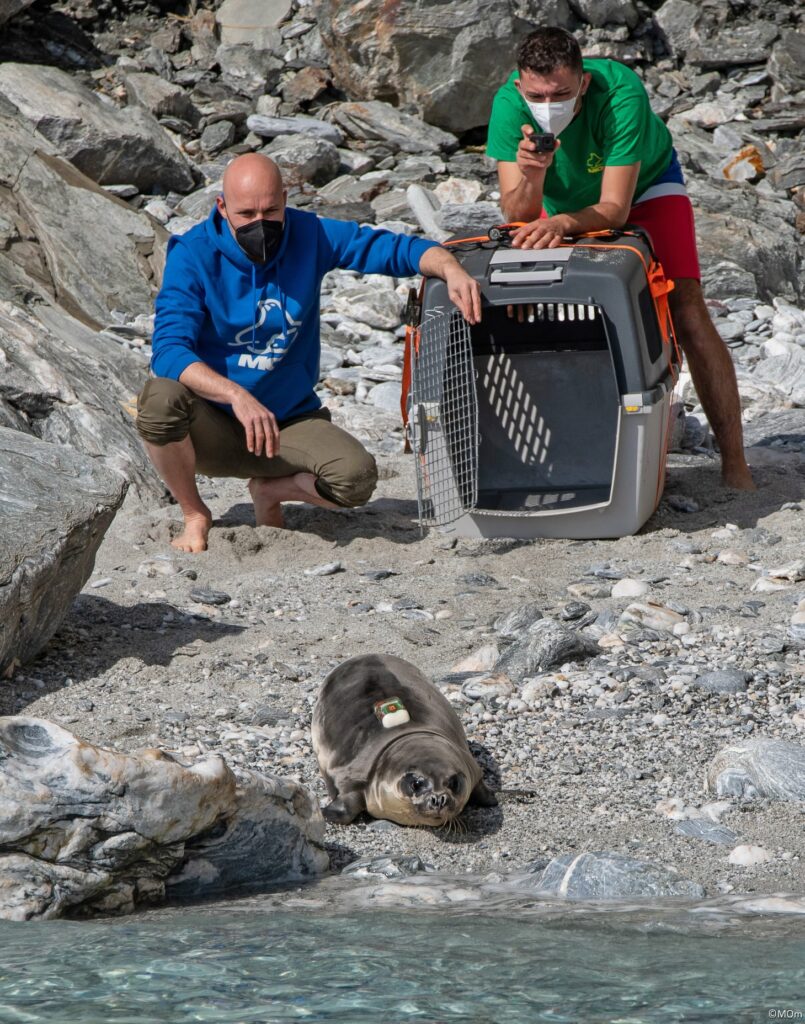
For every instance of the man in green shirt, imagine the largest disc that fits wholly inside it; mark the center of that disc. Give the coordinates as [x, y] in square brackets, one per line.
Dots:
[613, 162]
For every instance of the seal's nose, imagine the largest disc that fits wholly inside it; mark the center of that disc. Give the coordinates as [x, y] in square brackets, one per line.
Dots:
[436, 801]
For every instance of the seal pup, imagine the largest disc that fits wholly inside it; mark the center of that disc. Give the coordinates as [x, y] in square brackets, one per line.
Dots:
[388, 742]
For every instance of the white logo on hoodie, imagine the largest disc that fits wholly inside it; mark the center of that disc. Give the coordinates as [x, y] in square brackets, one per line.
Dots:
[265, 354]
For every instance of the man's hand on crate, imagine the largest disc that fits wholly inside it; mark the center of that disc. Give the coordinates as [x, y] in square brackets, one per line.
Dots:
[463, 290]
[544, 233]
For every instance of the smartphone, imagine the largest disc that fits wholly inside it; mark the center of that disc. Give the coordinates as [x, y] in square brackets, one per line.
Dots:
[544, 141]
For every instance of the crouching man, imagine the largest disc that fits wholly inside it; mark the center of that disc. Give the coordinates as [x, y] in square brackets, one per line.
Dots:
[236, 350]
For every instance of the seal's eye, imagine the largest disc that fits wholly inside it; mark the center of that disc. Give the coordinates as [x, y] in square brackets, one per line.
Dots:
[455, 783]
[414, 785]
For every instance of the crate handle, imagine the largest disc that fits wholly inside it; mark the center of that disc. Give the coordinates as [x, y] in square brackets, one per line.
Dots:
[527, 276]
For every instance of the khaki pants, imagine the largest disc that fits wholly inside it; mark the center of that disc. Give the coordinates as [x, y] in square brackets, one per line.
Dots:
[345, 472]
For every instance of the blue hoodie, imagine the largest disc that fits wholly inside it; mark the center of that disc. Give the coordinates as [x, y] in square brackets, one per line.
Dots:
[259, 325]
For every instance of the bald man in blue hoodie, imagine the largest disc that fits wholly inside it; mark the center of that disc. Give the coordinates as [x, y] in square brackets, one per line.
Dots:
[236, 350]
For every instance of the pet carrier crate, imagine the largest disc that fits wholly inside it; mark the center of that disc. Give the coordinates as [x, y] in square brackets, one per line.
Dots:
[550, 417]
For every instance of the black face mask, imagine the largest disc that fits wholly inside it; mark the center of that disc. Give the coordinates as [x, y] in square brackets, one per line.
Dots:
[260, 239]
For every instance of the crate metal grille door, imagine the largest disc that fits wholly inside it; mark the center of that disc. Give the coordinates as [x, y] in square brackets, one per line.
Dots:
[444, 420]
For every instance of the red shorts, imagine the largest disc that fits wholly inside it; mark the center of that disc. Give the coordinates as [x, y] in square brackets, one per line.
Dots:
[669, 222]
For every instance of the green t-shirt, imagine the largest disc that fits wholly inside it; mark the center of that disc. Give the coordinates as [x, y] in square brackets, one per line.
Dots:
[615, 126]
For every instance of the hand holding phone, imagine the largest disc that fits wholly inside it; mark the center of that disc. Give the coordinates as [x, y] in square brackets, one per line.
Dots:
[544, 141]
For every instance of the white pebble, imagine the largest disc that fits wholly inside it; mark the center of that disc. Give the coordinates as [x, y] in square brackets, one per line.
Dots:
[746, 855]
[482, 660]
[630, 588]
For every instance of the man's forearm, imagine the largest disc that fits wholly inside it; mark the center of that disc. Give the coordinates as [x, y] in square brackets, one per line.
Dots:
[437, 262]
[206, 383]
[597, 217]
[525, 201]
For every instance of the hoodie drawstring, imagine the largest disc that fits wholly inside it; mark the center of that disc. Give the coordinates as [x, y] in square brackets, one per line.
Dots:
[284, 323]
[255, 304]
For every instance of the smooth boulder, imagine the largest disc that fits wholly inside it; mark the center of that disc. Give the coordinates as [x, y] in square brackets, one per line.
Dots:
[736, 224]
[85, 831]
[544, 644]
[445, 59]
[608, 876]
[55, 507]
[67, 238]
[770, 769]
[376, 121]
[113, 147]
[64, 383]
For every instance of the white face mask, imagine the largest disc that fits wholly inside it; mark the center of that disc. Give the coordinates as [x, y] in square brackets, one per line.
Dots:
[553, 117]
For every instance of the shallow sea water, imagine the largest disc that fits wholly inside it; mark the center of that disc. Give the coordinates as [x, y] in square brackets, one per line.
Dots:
[264, 960]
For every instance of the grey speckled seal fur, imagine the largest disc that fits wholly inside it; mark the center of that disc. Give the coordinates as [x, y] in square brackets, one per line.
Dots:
[417, 773]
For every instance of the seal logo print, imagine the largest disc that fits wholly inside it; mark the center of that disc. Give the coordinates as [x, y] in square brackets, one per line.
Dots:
[595, 164]
[271, 350]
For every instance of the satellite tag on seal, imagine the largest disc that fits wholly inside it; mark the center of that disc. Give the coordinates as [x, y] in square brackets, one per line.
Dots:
[391, 712]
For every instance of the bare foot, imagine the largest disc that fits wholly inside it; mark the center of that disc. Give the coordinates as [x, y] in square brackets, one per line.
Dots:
[267, 509]
[738, 477]
[194, 536]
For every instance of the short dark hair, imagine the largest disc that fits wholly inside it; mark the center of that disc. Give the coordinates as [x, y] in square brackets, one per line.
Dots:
[546, 49]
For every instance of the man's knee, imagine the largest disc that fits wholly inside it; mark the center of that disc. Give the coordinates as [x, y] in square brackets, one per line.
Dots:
[349, 481]
[163, 411]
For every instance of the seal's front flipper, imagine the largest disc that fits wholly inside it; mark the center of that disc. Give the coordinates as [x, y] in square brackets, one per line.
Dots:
[482, 796]
[346, 809]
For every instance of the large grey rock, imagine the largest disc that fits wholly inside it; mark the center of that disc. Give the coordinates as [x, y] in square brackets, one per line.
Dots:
[272, 833]
[304, 158]
[447, 59]
[608, 12]
[735, 223]
[65, 237]
[254, 22]
[85, 830]
[741, 44]
[373, 302]
[546, 643]
[248, 71]
[101, 255]
[723, 680]
[110, 146]
[198, 204]
[724, 279]
[8, 8]
[272, 127]
[787, 425]
[63, 383]
[161, 98]
[678, 20]
[376, 121]
[425, 204]
[771, 769]
[458, 217]
[787, 62]
[786, 372]
[611, 876]
[386, 396]
[790, 171]
[346, 189]
[55, 506]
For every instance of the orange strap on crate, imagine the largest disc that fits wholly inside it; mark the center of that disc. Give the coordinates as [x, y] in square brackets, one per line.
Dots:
[411, 349]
